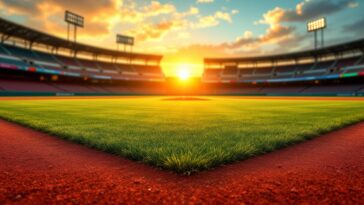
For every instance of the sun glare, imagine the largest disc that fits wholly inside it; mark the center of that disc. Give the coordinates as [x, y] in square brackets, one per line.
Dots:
[183, 72]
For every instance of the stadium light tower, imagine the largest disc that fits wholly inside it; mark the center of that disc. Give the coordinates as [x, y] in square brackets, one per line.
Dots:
[126, 41]
[315, 26]
[73, 19]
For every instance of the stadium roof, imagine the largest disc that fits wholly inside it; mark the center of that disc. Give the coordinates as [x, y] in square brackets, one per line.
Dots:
[335, 49]
[12, 29]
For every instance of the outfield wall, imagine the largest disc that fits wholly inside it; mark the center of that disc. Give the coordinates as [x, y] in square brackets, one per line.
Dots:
[45, 94]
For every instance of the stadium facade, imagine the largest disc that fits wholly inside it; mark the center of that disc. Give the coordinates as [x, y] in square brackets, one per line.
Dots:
[334, 70]
[34, 62]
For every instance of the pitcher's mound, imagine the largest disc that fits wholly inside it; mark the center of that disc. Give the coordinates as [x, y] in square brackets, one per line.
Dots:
[185, 99]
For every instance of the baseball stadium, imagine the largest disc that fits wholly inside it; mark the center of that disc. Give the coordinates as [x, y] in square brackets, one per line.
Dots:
[172, 111]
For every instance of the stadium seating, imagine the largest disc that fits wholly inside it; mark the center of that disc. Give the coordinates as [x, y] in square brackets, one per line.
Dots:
[347, 90]
[246, 72]
[12, 61]
[333, 89]
[45, 57]
[73, 88]
[290, 72]
[108, 67]
[26, 85]
[22, 57]
[283, 90]
[97, 89]
[352, 69]
[230, 71]
[147, 70]
[100, 70]
[361, 90]
[324, 65]
[4, 51]
[212, 75]
[19, 52]
[285, 71]
[299, 69]
[89, 64]
[264, 71]
[68, 61]
[347, 62]
[117, 89]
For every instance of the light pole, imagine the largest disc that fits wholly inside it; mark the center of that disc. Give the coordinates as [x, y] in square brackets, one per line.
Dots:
[126, 41]
[316, 26]
[75, 20]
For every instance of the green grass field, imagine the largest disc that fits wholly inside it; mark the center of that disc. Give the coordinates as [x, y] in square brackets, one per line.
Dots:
[184, 136]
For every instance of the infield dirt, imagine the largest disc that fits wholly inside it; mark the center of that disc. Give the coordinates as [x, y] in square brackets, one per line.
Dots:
[41, 169]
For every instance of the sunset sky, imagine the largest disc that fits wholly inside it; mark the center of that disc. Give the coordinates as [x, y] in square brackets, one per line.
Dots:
[185, 31]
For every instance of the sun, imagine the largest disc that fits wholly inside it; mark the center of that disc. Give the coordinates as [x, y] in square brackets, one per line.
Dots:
[183, 72]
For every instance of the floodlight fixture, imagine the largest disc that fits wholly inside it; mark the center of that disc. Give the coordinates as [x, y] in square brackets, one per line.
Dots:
[316, 25]
[74, 19]
[125, 40]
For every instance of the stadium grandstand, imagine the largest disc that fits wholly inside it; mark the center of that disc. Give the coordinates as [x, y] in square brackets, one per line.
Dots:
[334, 70]
[32, 62]
[36, 63]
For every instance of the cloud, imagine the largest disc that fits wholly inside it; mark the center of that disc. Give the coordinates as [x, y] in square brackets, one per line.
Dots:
[19, 7]
[156, 31]
[353, 5]
[156, 9]
[275, 34]
[211, 20]
[48, 14]
[150, 21]
[176, 21]
[279, 36]
[235, 11]
[205, 21]
[355, 28]
[223, 16]
[304, 11]
[204, 1]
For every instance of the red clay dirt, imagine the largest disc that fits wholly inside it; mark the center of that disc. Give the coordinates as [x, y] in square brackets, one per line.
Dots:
[39, 169]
